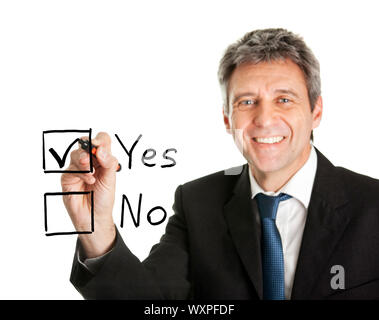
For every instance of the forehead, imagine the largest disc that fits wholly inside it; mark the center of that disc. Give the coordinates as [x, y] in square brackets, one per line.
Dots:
[267, 76]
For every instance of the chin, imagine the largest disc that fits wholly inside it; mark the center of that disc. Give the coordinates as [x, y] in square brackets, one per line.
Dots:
[267, 165]
[269, 168]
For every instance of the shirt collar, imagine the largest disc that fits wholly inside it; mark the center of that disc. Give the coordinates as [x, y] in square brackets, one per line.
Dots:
[299, 186]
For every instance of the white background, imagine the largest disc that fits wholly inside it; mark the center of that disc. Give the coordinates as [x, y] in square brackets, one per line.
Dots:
[149, 68]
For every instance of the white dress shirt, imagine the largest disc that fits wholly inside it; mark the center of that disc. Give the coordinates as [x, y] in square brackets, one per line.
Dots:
[291, 215]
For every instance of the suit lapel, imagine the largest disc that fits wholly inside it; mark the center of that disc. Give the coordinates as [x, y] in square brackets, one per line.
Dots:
[328, 215]
[239, 214]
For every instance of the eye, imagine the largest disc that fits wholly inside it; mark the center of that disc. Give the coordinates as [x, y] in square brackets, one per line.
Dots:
[284, 100]
[246, 102]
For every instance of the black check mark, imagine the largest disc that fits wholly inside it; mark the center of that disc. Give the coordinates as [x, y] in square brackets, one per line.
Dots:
[62, 161]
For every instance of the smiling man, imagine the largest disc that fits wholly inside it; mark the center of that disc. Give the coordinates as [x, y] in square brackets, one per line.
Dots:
[289, 225]
[269, 102]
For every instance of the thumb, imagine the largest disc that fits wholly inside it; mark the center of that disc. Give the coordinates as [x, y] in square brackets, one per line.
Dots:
[108, 164]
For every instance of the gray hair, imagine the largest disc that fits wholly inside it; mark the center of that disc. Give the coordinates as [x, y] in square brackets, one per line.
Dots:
[266, 45]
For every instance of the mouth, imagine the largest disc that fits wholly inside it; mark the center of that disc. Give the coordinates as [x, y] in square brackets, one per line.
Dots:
[274, 140]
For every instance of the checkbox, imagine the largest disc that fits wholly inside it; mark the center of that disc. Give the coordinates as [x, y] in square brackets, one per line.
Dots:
[56, 148]
[57, 220]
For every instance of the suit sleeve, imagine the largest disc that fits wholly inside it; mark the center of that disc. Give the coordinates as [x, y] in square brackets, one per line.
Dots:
[164, 274]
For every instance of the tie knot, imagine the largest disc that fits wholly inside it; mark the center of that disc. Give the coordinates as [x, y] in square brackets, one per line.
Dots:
[268, 205]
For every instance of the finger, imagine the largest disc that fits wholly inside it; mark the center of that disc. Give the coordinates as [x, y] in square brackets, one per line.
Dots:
[106, 159]
[108, 165]
[103, 142]
[103, 139]
[80, 159]
[69, 178]
[94, 141]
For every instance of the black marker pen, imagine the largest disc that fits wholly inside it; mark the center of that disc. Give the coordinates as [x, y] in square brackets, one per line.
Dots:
[84, 144]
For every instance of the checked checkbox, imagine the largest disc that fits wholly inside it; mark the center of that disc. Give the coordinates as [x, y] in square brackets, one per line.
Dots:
[56, 145]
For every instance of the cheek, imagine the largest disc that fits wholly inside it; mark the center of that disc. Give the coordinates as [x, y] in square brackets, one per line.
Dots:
[300, 124]
[237, 126]
[239, 121]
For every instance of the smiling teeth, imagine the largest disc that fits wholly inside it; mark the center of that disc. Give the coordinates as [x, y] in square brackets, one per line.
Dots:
[269, 140]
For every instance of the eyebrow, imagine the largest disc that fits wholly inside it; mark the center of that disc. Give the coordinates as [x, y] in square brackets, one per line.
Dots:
[287, 91]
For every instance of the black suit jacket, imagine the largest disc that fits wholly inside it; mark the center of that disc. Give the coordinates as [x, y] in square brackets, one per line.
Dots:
[211, 247]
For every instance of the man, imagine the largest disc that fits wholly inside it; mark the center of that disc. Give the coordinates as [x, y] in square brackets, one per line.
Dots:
[289, 225]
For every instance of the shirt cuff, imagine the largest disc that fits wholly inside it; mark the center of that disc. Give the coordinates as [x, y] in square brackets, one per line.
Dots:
[93, 265]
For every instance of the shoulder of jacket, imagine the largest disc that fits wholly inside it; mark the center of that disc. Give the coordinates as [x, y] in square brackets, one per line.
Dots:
[219, 179]
[359, 185]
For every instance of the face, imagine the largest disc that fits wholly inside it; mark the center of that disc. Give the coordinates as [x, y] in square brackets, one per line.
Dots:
[270, 116]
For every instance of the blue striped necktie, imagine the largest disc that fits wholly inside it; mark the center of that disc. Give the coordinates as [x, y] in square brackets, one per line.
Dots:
[272, 251]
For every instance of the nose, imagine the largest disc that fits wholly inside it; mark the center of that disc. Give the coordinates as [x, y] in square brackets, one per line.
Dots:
[264, 115]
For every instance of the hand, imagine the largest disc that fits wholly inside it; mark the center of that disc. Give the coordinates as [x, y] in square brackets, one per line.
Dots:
[102, 182]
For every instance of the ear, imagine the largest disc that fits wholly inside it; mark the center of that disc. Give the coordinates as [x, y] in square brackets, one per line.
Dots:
[226, 120]
[317, 113]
